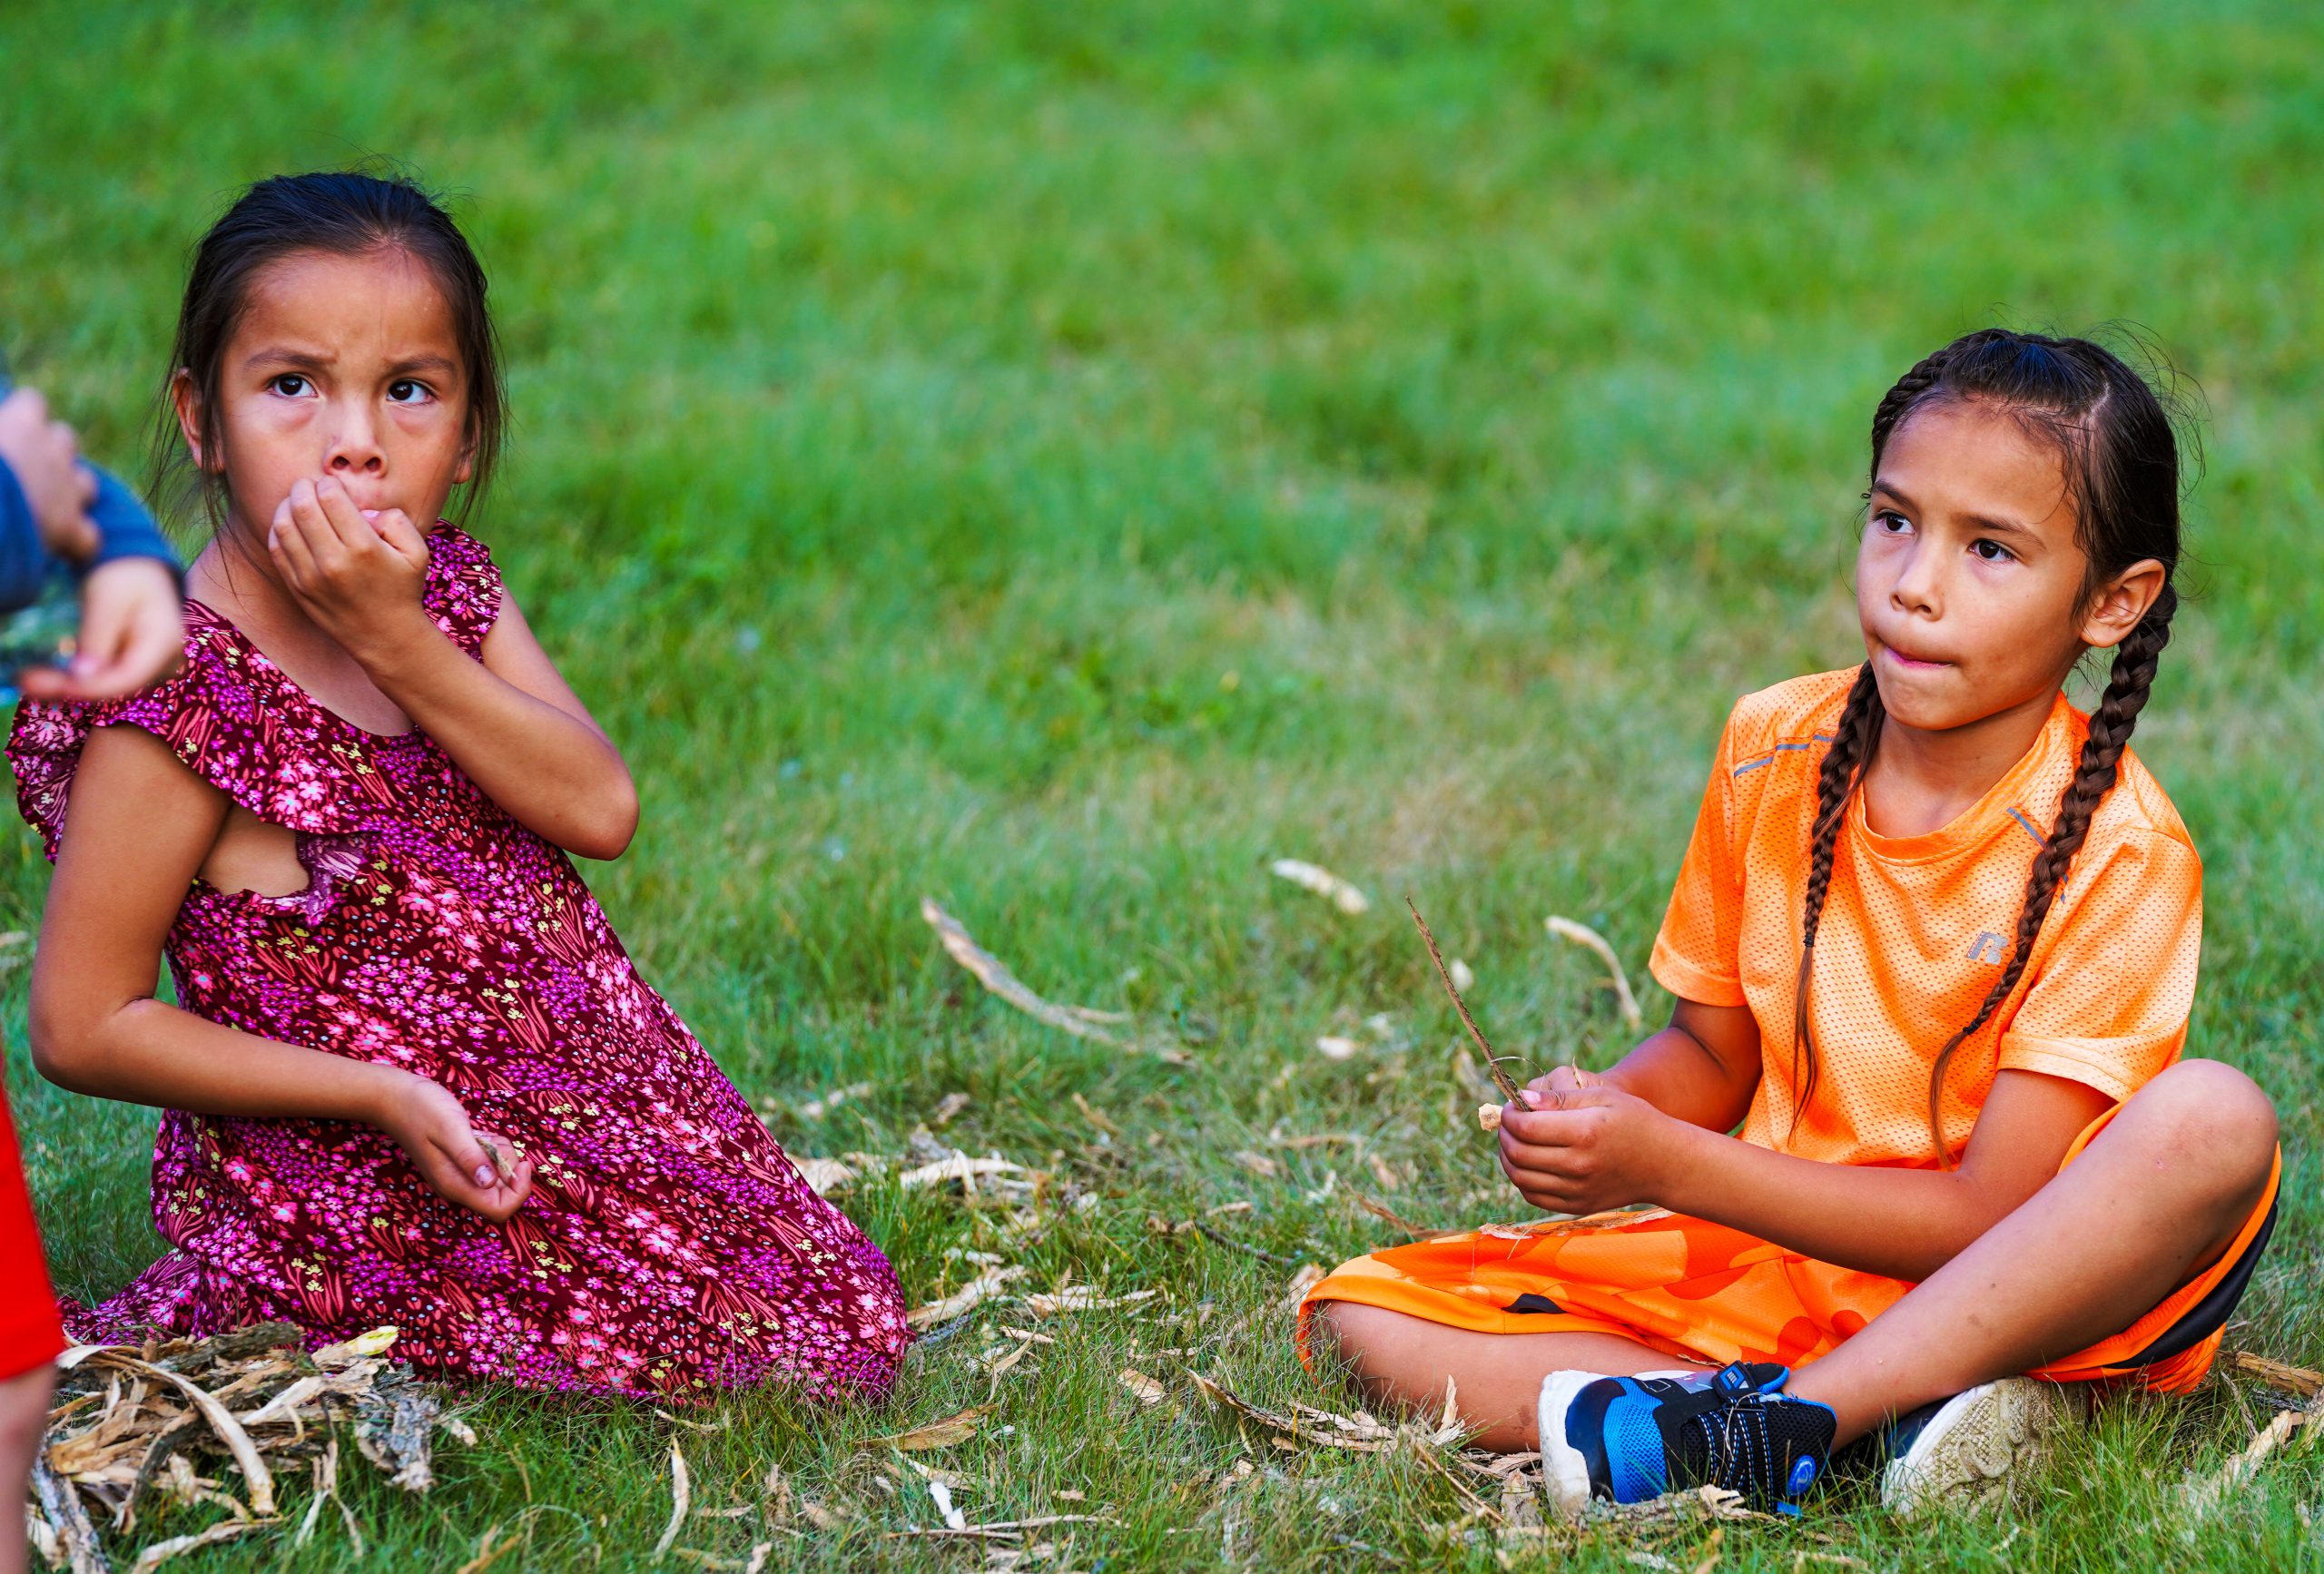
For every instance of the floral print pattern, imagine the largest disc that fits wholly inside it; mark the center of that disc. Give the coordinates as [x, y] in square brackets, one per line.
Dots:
[668, 1246]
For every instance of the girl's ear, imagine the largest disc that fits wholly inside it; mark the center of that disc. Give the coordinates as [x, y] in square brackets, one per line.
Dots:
[467, 464]
[186, 400]
[2120, 602]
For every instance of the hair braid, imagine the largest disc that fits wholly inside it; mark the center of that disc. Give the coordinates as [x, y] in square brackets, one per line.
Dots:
[2113, 432]
[1854, 738]
[1925, 375]
[2110, 725]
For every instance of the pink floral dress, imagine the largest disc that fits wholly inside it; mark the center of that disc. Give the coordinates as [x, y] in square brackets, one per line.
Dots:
[668, 1246]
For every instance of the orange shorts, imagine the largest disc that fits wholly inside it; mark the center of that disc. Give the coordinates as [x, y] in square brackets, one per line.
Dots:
[1703, 1293]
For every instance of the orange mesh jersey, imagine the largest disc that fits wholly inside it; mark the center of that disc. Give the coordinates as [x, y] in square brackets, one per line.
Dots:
[1916, 929]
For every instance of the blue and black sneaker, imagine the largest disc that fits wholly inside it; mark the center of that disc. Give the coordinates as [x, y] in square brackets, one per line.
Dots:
[1628, 1439]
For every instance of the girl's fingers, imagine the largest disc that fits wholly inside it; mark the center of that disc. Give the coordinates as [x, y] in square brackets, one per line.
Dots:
[314, 529]
[286, 543]
[504, 1176]
[348, 526]
[395, 528]
[1543, 1129]
[132, 634]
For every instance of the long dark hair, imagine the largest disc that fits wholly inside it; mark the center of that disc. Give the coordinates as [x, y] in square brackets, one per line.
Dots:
[343, 212]
[2114, 438]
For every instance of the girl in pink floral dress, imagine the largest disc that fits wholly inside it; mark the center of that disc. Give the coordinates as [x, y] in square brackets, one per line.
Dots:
[412, 1077]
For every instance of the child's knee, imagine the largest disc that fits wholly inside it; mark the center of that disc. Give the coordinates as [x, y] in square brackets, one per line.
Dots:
[2211, 1114]
[23, 1408]
[1350, 1331]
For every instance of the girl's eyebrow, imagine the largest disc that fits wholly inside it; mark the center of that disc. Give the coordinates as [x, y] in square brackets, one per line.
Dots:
[280, 355]
[311, 360]
[1983, 521]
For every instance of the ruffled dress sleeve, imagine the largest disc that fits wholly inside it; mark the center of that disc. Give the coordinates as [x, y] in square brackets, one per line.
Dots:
[219, 715]
[463, 586]
[234, 719]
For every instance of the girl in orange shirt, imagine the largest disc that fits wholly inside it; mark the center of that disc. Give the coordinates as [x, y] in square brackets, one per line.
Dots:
[1968, 1147]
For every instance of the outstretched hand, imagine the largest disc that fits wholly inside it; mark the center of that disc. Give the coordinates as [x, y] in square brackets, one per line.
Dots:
[1579, 1145]
[133, 635]
[463, 1164]
[359, 574]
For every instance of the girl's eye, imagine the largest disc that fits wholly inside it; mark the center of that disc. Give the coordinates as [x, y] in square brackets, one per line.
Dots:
[405, 391]
[1989, 551]
[290, 384]
[1888, 522]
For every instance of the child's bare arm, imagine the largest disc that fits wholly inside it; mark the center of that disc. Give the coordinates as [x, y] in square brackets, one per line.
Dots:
[1598, 1147]
[1702, 1068]
[512, 724]
[138, 827]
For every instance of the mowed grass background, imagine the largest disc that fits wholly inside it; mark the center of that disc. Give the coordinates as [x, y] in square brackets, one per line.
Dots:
[1055, 458]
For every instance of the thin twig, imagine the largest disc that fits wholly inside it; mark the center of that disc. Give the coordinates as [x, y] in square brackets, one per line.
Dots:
[1382, 1211]
[1501, 1078]
[1224, 1239]
[1427, 1456]
[944, 1332]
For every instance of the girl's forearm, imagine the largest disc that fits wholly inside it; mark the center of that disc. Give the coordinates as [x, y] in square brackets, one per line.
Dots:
[1902, 1224]
[554, 773]
[149, 1052]
[1675, 1072]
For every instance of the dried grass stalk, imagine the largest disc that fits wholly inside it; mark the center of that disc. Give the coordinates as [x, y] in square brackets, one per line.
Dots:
[160, 1553]
[1314, 877]
[681, 1497]
[963, 948]
[2297, 1379]
[1390, 1216]
[957, 1428]
[959, 1167]
[2202, 1498]
[1581, 934]
[964, 1300]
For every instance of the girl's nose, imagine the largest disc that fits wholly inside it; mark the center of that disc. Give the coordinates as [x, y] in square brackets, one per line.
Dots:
[1915, 588]
[355, 448]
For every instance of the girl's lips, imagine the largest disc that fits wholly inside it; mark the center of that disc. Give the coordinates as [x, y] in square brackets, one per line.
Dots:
[1912, 663]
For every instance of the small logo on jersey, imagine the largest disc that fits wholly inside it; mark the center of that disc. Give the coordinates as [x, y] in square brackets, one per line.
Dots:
[1988, 948]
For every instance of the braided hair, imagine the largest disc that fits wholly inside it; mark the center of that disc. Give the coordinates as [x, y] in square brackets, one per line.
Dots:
[2114, 437]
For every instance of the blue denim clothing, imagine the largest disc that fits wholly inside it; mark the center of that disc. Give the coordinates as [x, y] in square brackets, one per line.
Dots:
[123, 528]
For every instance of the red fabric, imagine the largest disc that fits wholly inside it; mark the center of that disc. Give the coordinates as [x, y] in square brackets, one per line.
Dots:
[30, 1335]
[668, 1245]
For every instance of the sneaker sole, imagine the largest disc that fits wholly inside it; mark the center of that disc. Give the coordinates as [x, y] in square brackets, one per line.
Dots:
[1564, 1473]
[1972, 1451]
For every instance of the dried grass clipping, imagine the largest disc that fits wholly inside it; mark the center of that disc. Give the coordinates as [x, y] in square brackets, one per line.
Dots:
[130, 1425]
[1581, 934]
[1314, 877]
[1078, 1020]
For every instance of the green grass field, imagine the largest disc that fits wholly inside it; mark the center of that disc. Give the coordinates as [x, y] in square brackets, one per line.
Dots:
[1056, 459]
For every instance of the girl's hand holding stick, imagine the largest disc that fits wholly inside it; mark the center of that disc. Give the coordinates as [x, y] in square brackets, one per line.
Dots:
[1570, 1142]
